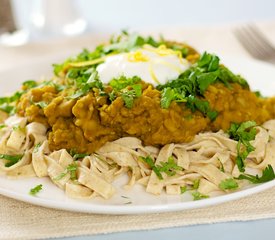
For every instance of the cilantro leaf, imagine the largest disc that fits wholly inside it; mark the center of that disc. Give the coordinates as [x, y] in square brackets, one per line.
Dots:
[77, 156]
[151, 164]
[228, 184]
[29, 84]
[84, 81]
[36, 147]
[71, 169]
[128, 88]
[11, 159]
[123, 82]
[243, 133]
[128, 98]
[196, 184]
[183, 189]
[170, 167]
[36, 189]
[205, 79]
[267, 175]
[41, 104]
[202, 105]
[198, 196]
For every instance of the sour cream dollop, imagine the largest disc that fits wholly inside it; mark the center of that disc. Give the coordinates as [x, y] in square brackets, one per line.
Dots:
[153, 65]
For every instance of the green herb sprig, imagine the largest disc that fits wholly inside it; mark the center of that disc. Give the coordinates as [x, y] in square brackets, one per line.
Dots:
[169, 168]
[228, 184]
[11, 159]
[267, 175]
[71, 169]
[36, 189]
[243, 133]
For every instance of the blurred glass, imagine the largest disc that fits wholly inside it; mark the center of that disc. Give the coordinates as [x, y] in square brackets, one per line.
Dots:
[38, 20]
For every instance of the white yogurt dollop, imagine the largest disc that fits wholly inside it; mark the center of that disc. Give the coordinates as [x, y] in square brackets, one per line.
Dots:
[152, 65]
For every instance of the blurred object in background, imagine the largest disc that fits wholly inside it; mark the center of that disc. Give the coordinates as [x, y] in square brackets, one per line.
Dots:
[51, 18]
[6, 17]
[42, 20]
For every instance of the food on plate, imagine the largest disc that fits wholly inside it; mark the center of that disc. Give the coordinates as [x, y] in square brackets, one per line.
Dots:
[157, 111]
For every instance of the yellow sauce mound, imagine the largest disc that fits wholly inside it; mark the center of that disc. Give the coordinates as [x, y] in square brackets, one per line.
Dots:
[87, 123]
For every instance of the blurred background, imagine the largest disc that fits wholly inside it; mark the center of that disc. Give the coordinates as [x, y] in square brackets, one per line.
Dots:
[57, 29]
[35, 20]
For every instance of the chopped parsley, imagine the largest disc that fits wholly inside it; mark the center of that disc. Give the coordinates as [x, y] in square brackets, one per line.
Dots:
[76, 155]
[128, 96]
[183, 189]
[169, 168]
[190, 86]
[29, 84]
[36, 189]
[243, 133]
[7, 104]
[123, 82]
[71, 169]
[221, 165]
[10, 159]
[198, 196]
[151, 164]
[80, 155]
[228, 184]
[41, 104]
[267, 175]
[127, 88]
[196, 184]
[36, 147]
[83, 81]
[124, 42]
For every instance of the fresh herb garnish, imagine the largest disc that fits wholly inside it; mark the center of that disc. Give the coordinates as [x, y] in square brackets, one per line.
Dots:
[202, 105]
[80, 155]
[7, 104]
[83, 81]
[191, 85]
[243, 133]
[41, 104]
[198, 196]
[76, 155]
[125, 42]
[2, 126]
[123, 82]
[36, 190]
[221, 165]
[36, 147]
[151, 164]
[71, 169]
[267, 175]
[29, 84]
[228, 184]
[183, 189]
[169, 168]
[196, 184]
[127, 88]
[11, 159]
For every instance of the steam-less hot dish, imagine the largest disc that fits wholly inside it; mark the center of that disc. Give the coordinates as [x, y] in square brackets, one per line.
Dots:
[171, 119]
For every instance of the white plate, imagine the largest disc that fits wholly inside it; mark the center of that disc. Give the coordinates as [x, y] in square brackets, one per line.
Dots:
[260, 76]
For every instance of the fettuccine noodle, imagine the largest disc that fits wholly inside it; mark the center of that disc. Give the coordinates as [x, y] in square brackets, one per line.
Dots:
[210, 157]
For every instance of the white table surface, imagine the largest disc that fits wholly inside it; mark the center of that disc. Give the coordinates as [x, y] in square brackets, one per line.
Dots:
[113, 15]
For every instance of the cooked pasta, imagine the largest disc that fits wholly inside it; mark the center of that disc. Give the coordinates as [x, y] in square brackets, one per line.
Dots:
[201, 159]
